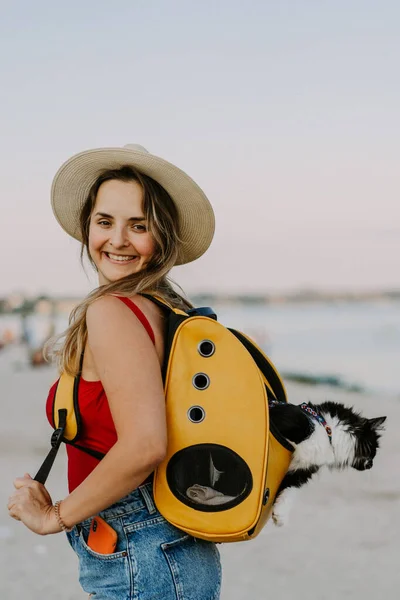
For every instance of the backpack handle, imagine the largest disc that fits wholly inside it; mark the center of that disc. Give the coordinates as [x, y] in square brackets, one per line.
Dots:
[203, 311]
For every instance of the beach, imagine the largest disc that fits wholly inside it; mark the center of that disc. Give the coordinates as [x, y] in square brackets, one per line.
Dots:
[341, 541]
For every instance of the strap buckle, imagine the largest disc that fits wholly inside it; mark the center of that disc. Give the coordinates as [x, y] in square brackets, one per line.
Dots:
[57, 437]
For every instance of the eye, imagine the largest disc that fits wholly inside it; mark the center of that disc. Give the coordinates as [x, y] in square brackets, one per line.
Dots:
[139, 227]
[104, 223]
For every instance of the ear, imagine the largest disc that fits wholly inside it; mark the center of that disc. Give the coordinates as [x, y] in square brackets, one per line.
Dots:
[377, 423]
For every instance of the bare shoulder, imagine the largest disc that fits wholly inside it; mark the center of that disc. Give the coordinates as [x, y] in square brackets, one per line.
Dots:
[108, 316]
[104, 309]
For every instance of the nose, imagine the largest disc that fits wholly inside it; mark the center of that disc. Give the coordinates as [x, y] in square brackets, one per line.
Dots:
[118, 238]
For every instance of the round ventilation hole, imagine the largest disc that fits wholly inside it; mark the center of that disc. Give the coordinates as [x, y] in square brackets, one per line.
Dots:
[206, 348]
[201, 381]
[196, 414]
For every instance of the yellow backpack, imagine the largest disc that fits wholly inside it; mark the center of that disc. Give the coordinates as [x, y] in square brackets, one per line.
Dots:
[225, 459]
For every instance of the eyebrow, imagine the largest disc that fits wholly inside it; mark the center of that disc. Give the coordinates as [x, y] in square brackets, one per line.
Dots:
[106, 216]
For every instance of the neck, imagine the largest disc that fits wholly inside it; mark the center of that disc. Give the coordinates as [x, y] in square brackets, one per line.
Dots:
[314, 451]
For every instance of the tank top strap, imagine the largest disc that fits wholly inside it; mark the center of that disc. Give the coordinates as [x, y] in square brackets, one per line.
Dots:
[140, 315]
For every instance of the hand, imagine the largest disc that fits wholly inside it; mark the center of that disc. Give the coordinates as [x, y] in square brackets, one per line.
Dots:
[31, 503]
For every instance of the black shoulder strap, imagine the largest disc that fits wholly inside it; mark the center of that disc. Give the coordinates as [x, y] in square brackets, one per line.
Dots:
[174, 318]
[265, 366]
[157, 301]
[94, 453]
[67, 422]
[56, 440]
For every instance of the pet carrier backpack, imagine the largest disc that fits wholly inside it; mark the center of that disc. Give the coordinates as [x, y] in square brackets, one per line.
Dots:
[225, 460]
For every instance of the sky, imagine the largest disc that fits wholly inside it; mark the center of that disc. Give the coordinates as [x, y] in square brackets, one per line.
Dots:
[285, 113]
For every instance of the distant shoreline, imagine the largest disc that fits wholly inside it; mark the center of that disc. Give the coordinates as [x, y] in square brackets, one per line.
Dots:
[299, 297]
[45, 304]
[304, 378]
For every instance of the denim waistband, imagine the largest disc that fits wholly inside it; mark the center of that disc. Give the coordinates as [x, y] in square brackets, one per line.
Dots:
[137, 500]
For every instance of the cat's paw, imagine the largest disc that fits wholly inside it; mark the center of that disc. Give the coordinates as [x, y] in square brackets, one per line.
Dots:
[278, 518]
[281, 508]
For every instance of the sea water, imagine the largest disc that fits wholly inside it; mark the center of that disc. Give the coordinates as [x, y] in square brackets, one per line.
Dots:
[356, 342]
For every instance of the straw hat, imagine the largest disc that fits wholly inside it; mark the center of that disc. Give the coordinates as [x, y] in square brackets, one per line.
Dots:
[76, 176]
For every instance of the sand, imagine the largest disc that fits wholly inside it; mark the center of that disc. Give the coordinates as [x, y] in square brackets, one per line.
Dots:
[341, 542]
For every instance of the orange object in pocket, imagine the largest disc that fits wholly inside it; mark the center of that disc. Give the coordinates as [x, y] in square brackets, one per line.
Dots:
[102, 537]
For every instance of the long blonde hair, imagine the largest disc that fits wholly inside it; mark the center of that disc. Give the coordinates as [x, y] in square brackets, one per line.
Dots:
[162, 220]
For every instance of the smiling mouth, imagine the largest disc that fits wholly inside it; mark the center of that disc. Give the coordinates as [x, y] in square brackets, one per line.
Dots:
[120, 258]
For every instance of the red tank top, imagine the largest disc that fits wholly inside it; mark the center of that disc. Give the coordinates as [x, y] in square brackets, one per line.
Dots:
[98, 430]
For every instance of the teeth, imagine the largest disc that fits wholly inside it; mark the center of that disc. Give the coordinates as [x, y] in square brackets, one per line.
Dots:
[119, 258]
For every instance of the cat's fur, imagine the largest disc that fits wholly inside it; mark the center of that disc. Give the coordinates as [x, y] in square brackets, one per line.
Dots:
[354, 443]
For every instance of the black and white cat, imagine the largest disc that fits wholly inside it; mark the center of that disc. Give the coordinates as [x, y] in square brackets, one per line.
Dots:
[327, 434]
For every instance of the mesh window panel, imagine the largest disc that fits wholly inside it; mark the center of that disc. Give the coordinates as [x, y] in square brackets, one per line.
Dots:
[209, 477]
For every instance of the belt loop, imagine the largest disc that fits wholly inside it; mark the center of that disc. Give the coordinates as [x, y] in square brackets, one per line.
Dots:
[148, 500]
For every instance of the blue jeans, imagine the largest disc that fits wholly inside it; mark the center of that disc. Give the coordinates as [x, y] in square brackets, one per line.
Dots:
[153, 559]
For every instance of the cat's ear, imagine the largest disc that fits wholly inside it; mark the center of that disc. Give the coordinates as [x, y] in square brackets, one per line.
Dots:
[377, 423]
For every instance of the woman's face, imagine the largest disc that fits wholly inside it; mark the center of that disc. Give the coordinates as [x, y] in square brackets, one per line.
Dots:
[119, 242]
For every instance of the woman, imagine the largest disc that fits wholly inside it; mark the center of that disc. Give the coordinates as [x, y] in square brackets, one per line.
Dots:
[137, 216]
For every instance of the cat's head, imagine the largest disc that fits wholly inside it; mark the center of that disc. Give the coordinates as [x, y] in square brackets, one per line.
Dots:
[363, 435]
[367, 434]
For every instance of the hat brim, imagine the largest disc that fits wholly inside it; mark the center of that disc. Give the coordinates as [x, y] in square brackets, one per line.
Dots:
[72, 183]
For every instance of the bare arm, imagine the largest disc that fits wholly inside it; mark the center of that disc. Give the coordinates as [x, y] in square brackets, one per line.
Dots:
[129, 369]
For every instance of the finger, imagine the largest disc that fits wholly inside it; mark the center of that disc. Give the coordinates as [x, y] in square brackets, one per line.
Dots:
[12, 509]
[14, 515]
[21, 482]
[13, 499]
[27, 476]
[13, 503]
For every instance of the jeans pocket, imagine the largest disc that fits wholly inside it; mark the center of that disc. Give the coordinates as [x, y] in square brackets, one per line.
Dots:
[196, 568]
[106, 576]
[113, 556]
